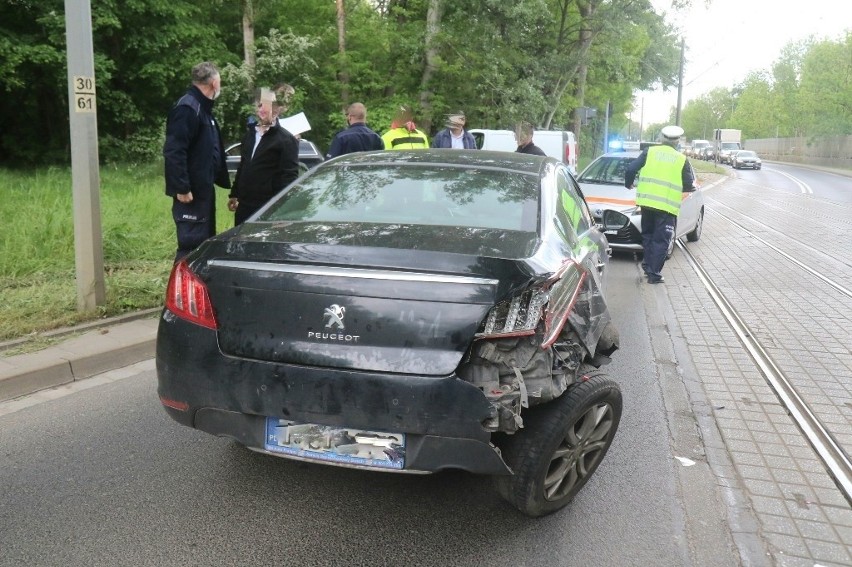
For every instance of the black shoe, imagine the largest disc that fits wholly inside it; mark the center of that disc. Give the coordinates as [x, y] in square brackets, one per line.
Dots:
[659, 279]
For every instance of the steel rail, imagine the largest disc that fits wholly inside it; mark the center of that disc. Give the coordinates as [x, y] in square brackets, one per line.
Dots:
[835, 459]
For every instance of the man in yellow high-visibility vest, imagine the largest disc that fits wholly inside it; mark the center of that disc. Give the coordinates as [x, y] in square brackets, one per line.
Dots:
[664, 175]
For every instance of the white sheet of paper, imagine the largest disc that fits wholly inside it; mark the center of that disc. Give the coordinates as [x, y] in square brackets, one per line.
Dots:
[295, 124]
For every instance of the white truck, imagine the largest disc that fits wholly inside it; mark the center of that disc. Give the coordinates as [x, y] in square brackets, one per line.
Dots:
[725, 141]
[559, 144]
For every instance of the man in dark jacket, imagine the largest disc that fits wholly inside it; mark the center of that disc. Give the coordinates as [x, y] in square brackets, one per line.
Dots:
[358, 137]
[269, 157]
[194, 160]
[524, 136]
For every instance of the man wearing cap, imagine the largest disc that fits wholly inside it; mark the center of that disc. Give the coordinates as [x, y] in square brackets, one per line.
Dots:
[665, 176]
[454, 134]
[358, 137]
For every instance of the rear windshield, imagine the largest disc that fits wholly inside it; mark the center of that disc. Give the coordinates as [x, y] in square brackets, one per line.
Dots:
[426, 194]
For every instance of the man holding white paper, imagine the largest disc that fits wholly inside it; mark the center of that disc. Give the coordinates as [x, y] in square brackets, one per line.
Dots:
[269, 156]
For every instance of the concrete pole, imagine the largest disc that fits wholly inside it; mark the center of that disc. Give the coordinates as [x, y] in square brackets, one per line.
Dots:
[680, 82]
[88, 240]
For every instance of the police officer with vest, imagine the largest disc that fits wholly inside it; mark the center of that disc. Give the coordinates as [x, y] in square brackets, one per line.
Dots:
[664, 175]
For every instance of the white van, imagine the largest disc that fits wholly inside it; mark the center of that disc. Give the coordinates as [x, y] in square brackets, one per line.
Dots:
[560, 144]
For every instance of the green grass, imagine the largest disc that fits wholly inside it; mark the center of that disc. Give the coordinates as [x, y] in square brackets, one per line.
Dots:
[38, 289]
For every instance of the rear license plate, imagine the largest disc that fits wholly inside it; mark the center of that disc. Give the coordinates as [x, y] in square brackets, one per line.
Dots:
[342, 445]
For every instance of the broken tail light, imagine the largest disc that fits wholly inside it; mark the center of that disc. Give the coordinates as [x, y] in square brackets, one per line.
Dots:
[186, 297]
[517, 316]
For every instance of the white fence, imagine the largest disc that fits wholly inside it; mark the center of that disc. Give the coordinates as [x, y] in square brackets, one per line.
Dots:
[828, 151]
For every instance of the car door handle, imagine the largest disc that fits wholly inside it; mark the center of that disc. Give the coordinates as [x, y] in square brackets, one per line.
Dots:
[601, 267]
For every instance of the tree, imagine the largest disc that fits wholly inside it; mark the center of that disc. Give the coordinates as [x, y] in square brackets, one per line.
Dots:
[825, 94]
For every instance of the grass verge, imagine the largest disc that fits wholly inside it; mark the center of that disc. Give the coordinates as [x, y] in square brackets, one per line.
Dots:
[38, 289]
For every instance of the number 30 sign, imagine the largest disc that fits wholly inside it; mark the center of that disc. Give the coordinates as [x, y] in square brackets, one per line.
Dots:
[84, 94]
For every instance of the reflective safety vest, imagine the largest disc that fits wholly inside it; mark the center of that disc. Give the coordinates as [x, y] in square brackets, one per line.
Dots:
[402, 139]
[660, 180]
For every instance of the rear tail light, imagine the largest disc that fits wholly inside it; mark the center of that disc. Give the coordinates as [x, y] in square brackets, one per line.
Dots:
[551, 302]
[517, 316]
[186, 297]
[174, 404]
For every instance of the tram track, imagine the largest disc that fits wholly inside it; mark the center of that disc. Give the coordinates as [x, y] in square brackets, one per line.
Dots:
[818, 436]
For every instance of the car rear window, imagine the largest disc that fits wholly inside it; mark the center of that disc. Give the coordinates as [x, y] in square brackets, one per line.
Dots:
[413, 194]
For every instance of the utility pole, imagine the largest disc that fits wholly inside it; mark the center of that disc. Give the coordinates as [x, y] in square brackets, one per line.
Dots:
[680, 82]
[88, 240]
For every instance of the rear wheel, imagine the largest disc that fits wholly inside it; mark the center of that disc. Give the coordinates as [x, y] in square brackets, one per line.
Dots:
[696, 232]
[561, 445]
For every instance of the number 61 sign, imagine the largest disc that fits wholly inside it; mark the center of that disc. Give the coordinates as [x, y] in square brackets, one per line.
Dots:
[84, 94]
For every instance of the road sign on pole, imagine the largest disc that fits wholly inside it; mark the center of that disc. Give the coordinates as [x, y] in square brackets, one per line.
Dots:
[88, 240]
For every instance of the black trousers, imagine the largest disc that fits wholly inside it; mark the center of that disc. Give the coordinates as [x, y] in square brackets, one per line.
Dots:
[657, 232]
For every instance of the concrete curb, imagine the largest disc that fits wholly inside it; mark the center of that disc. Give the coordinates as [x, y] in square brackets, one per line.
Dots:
[103, 347]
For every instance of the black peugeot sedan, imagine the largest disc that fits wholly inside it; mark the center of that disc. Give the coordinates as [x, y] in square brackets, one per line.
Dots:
[405, 311]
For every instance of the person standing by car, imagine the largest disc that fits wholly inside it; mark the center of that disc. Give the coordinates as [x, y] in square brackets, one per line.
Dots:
[454, 134]
[194, 158]
[269, 157]
[524, 137]
[665, 176]
[403, 133]
[358, 137]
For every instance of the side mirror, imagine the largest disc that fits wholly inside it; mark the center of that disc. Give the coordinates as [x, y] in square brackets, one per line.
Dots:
[613, 221]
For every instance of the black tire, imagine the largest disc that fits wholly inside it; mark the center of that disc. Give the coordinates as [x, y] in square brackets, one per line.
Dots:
[696, 232]
[561, 445]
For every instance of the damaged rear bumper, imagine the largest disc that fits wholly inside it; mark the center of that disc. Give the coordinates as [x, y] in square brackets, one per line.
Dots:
[441, 417]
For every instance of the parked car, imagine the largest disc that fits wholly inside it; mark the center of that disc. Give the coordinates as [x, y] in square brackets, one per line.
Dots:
[602, 183]
[412, 311]
[309, 156]
[746, 158]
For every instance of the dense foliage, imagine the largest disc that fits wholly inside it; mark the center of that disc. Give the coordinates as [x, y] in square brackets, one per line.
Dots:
[499, 61]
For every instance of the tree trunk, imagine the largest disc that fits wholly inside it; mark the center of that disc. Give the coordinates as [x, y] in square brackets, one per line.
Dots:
[248, 33]
[433, 26]
[343, 73]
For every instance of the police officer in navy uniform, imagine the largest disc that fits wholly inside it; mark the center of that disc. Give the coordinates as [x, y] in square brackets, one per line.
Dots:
[194, 157]
[358, 137]
[664, 175]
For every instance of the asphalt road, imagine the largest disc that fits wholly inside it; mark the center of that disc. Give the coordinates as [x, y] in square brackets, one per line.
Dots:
[103, 477]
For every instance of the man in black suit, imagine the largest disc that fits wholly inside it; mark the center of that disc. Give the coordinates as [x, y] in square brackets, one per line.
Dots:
[269, 157]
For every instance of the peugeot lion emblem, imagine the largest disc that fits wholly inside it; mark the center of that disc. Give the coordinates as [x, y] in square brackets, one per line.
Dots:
[334, 314]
